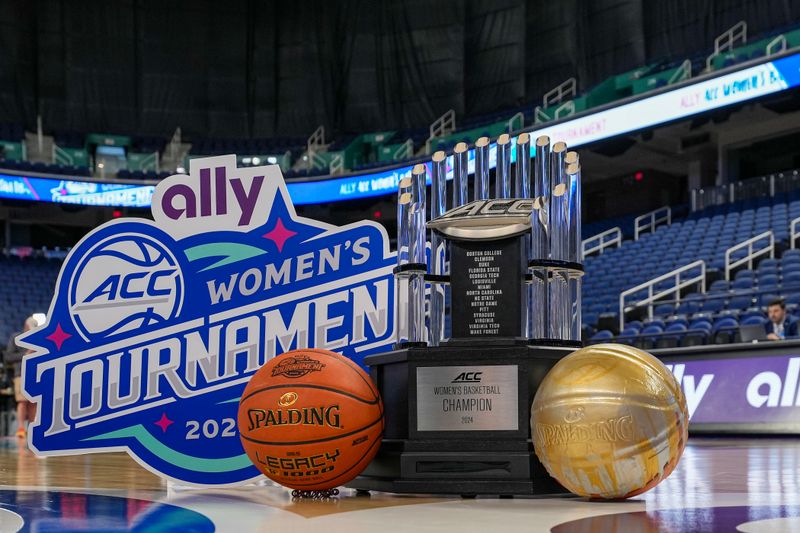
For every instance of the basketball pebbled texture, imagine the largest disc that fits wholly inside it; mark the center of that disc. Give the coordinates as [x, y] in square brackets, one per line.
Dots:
[310, 419]
[609, 421]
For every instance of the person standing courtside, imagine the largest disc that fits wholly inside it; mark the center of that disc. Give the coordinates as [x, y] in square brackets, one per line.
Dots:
[778, 327]
[26, 410]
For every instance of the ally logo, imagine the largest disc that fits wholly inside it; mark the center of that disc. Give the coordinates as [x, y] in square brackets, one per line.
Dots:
[156, 326]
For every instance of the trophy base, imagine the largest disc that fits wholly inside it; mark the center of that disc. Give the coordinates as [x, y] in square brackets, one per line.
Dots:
[457, 420]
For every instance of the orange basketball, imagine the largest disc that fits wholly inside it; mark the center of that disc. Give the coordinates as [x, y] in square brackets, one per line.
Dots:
[310, 419]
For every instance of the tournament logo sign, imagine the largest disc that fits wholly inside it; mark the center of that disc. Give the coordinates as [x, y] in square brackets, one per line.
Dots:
[156, 326]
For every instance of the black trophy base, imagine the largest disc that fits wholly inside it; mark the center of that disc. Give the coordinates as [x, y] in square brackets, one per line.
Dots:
[457, 420]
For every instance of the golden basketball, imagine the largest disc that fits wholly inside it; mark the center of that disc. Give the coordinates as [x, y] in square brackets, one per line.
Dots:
[310, 419]
[609, 421]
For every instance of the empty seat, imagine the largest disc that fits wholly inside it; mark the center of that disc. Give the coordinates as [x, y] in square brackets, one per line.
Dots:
[713, 305]
[719, 286]
[724, 330]
[664, 310]
[602, 335]
[753, 320]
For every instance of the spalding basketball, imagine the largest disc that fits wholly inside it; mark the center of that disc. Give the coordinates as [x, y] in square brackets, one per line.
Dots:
[310, 419]
[609, 421]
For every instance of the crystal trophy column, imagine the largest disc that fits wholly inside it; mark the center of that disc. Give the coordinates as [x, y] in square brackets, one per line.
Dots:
[540, 241]
[438, 249]
[411, 260]
[482, 168]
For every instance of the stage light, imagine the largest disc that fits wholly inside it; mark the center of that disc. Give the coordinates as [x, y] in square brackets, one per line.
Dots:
[246, 160]
[116, 213]
[639, 176]
[256, 160]
[272, 160]
[180, 170]
[377, 214]
[100, 165]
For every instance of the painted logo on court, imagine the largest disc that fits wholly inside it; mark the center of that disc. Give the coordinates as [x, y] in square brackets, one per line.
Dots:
[156, 326]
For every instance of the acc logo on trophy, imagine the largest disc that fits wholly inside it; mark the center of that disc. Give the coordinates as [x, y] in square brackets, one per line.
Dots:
[486, 219]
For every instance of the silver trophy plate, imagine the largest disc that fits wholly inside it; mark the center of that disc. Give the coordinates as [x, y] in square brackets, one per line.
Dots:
[467, 398]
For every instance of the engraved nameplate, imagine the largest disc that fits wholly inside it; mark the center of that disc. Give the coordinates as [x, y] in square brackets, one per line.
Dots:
[467, 398]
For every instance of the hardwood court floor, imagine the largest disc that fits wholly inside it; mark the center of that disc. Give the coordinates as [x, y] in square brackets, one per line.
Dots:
[720, 485]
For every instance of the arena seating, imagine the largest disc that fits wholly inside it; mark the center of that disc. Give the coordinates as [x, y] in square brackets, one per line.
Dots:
[698, 318]
[380, 149]
[27, 288]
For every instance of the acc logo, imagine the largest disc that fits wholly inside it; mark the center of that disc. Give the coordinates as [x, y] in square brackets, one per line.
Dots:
[486, 219]
[468, 377]
[287, 399]
[297, 366]
[156, 326]
[124, 283]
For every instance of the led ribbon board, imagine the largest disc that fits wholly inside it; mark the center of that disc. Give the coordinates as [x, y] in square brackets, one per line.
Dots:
[692, 99]
[741, 391]
[156, 326]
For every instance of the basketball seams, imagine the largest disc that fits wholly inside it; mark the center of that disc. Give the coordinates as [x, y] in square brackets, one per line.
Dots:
[315, 441]
[358, 370]
[310, 386]
[355, 465]
[356, 451]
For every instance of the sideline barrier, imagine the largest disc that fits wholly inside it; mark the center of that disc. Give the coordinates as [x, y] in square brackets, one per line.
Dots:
[739, 388]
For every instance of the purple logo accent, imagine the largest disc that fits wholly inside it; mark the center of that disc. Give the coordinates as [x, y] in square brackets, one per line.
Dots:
[189, 203]
[741, 390]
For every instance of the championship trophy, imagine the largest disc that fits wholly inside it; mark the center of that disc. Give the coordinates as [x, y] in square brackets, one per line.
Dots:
[506, 269]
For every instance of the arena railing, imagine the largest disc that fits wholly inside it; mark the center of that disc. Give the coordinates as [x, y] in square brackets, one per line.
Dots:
[444, 125]
[754, 293]
[653, 296]
[336, 165]
[748, 189]
[404, 151]
[650, 220]
[752, 252]
[793, 233]
[777, 45]
[517, 122]
[727, 41]
[684, 72]
[601, 241]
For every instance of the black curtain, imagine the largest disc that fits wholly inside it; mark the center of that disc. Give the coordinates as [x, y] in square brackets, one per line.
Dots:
[263, 68]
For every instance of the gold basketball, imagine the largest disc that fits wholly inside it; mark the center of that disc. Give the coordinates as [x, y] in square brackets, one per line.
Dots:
[609, 421]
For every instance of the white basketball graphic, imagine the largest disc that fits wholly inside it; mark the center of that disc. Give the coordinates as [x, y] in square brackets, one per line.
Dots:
[125, 282]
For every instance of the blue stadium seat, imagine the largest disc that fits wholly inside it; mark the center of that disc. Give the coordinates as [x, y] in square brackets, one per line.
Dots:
[725, 330]
[672, 337]
[753, 320]
[602, 335]
[664, 310]
[720, 285]
[740, 302]
[713, 305]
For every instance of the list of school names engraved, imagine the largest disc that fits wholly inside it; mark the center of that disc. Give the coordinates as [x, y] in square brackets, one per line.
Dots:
[485, 292]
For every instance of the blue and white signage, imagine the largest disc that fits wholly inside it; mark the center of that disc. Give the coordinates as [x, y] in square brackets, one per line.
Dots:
[74, 191]
[685, 101]
[156, 326]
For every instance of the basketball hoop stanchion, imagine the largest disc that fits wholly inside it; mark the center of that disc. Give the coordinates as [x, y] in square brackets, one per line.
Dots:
[457, 409]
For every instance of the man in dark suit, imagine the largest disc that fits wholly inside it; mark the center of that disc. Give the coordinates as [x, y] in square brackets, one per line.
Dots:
[778, 328]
